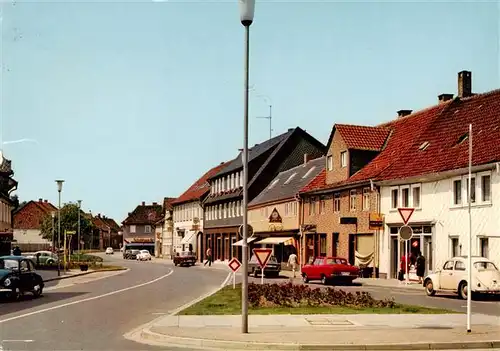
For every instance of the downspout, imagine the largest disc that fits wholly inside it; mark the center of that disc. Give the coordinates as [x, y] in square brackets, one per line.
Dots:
[377, 232]
[301, 233]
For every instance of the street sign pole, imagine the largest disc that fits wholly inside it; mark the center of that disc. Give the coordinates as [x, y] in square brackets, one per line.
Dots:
[469, 259]
[234, 265]
[262, 256]
[406, 233]
[407, 263]
[234, 280]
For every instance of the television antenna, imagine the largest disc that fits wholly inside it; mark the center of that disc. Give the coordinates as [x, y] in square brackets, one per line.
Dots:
[270, 117]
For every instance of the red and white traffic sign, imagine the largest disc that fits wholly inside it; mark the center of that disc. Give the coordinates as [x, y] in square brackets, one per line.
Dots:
[263, 256]
[234, 264]
[405, 213]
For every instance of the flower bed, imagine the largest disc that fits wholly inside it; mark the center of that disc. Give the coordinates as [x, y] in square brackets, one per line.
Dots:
[295, 295]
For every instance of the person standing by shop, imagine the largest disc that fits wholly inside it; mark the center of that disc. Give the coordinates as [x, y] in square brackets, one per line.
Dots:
[292, 262]
[420, 263]
[208, 254]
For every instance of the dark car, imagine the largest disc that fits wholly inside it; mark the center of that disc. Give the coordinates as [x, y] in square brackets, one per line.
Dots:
[330, 269]
[272, 269]
[18, 276]
[185, 258]
[130, 254]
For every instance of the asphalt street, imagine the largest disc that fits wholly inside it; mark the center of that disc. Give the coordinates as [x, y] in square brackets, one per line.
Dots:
[95, 315]
[487, 305]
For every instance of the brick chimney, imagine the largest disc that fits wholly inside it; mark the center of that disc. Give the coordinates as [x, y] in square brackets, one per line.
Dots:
[40, 200]
[403, 113]
[143, 203]
[444, 97]
[155, 203]
[46, 201]
[464, 84]
[307, 158]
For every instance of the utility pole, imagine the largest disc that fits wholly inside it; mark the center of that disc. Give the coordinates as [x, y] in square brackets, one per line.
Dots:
[270, 118]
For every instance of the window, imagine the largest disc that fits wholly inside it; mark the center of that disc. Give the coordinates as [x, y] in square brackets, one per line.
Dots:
[415, 189]
[457, 192]
[473, 189]
[448, 266]
[483, 247]
[336, 202]
[322, 205]
[486, 188]
[132, 228]
[220, 212]
[352, 200]
[394, 198]
[343, 159]
[287, 209]
[455, 247]
[322, 245]
[312, 206]
[459, 266]
[329, 163]
[147, 229]
[366, 199]
[405, 197]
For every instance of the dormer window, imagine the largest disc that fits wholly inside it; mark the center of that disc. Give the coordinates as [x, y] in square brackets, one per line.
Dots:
[343, 159]
[329, 163]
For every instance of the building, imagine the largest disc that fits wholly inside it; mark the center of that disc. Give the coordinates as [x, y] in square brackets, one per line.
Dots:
[140, 225]
[28, 221]
[7, 186]
[431, 176]
[106, 232]
[223, 206]
[275, 214]
[188, 213]
[165, 229]
[340, 208]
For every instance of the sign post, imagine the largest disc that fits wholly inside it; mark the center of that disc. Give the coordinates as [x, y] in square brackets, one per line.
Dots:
[262, 256]
[66, 233]
[405, 234]
[234, 265]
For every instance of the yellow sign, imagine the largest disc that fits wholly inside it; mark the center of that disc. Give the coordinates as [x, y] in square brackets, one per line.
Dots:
[376, 221]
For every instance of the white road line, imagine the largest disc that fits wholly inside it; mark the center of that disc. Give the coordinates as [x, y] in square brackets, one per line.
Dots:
[18, 340]
[84, 282]
[85, 300]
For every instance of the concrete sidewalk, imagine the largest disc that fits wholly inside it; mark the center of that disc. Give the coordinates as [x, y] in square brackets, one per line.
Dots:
[323, 332]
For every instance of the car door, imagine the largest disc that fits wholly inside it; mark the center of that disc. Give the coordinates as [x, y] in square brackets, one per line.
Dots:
[25, 275]
[316, 268]
[446, 280]
[458, 274]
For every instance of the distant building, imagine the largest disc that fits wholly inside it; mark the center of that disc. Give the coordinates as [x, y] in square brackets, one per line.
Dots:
[7, 186]
[140, 226]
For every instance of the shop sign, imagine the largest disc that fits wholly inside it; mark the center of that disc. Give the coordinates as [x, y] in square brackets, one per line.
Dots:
[376, 221]
[142, 240]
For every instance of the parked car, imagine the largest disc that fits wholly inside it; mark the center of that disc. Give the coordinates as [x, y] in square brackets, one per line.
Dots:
[329, 269]
[453, 277]
[272, 269]
[45, 258]
[109, 251]
[130, 254]
[143, 255]
[18, 276]
[184, 258]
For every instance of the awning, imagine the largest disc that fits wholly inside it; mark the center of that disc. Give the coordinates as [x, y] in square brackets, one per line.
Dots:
[249, 240]
[274, 240]
[189, 238]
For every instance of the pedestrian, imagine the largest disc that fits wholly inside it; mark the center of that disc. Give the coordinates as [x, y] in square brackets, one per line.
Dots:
[16, 251]
[420, 267]
[208, 254]
[292, 262]
[402, 269]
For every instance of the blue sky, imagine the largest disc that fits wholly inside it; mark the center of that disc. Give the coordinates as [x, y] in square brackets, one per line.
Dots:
[133, 101]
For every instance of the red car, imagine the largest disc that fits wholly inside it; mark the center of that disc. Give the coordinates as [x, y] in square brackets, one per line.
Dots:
[329, 269]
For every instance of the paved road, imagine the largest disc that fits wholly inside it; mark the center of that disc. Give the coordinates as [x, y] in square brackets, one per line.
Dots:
[489, 306]
[95, 315]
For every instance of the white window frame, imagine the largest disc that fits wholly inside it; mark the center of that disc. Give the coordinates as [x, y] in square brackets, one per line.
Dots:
[401, 188]
[412, 200]
[322, 204]
[465, 186]
[329, 163]
[353, 194]
[147, 229]
[335, 198]
[343, 159]
[480, 187]
[480, 240]
[132, 229]
[451, 239]
[452, 186]
[397, 198]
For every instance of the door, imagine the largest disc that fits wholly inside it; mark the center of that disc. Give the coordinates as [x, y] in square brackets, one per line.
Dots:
[446, 280]
[352, 248]
[26, 275]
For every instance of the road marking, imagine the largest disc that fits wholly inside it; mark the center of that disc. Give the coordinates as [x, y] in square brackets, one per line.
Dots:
[18, 340]
[88, 281]
[87, 299]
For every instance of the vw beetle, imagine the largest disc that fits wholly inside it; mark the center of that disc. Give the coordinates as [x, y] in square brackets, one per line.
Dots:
[18, 276]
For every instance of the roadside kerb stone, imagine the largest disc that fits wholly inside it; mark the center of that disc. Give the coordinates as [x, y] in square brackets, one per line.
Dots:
[79, 274]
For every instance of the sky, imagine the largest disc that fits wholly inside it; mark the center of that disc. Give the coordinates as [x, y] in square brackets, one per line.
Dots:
[133, 101]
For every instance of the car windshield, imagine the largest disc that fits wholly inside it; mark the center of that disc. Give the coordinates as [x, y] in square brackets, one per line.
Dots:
[9, 264]
[144, 251]
[485, 266]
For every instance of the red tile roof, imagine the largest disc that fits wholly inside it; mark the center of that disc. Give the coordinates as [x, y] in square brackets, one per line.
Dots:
[31, 215]
[363, 137]
[200, 187]
[167, 203]
[145, 214]
[441, 128]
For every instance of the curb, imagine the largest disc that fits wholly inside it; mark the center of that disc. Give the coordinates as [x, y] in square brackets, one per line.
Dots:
[84, 273]
[190, 343]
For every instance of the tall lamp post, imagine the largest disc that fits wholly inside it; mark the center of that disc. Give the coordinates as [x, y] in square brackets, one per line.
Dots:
[59, 189]
[53, 214]
[79, 235]
[247, 9]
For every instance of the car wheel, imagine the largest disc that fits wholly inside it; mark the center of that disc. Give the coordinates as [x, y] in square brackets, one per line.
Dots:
[14, 295]
[429, 288]
[323, 280]
[462, 290]
[305, 279]
[50, 262]
[38, 289]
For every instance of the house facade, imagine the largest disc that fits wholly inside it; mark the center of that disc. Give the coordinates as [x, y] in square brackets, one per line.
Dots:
[188, 214]
[139, 227]
[7, 186]
[27, 225]
[275, 213]
[223, 206]
[165, 231]
[106, 233]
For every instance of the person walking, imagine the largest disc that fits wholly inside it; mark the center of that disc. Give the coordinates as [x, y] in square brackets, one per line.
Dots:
[292, 262]
[208, 254]
[420, 263]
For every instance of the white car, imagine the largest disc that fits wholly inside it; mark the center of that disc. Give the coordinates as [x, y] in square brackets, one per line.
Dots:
[143, 255]
[109, 251]
[453, 277]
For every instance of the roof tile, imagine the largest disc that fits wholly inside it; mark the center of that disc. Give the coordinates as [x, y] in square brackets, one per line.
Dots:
[363, 137]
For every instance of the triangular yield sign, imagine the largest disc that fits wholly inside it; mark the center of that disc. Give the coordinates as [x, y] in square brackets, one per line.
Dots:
[262, 256]
[405, 214]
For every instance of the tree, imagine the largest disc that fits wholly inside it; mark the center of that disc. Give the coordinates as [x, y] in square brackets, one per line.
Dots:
[69, 222]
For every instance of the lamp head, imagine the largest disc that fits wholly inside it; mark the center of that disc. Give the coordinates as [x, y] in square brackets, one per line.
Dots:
[79, 203]
[53, 214]
[247, 9]
[59, 184]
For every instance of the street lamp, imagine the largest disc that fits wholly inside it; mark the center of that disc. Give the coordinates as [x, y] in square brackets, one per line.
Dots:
[79, 209]
[53, 214]
[247, 9]
[170, 227]
[59, 189]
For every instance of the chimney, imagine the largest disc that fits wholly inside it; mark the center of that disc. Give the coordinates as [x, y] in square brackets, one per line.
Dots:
[307, 158]
[444, 97]
[155, 203]
[464, 84]
[290, 129]
[143, 203]
[403, 113]
[40, 200]
[46, 201]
